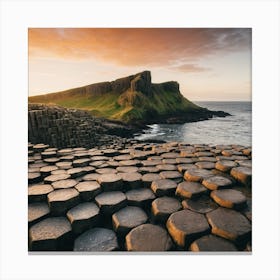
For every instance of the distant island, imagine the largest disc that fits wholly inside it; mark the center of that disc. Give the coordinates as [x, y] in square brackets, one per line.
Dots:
[133, 100]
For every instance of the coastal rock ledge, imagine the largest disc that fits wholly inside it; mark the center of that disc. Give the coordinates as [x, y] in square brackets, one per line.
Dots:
[130, 196]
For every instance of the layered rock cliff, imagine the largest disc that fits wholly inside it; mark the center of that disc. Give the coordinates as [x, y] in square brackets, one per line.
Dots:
[133, 99]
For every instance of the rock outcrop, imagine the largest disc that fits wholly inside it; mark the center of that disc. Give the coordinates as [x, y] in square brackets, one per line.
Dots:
[133, 99]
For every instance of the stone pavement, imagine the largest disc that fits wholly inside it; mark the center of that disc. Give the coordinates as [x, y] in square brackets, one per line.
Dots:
[134, 196]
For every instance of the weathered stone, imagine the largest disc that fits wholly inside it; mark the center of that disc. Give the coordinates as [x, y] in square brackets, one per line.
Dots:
[163, 207]
[128, 218]
[147, 169]
[58, 171]
[225, 165]
[50, 234]
[130, 163]
[163, 187]
[184, 167]
[38, 193]
[91, 177]
[34, 177]
[183, 160]
[111, 202]
[229, 224]
[123, 157]
[148, 237]
[169, 161]
[52, 178]
[185, 226]
[76, 172]
[202, 204]
[64, 164]
[83, 216]
[88, 190]
[46, 170]
[140, 197]
[149, 178]
[229, 198]
[247, 152]
[81, 162]
[212, 243]
[127, 169]
[64, 184]
[64, 152]
[132, 180]
[170, 155]
[190, 190]
[62, 200]
[248, 210]
[151, 162]
[197, 175]
[97, 240]
[204, 154]
[106, 171]
[98, 163]
[67, 158]
[242, 174]
[207, 159]
[81, 155]
[174, 175]
[37, 211]
[111, 152]
[49, 154]
[110, 182]
[245, 163]
[216, 182]
[166, 167]
[113, 163]
[205, 164]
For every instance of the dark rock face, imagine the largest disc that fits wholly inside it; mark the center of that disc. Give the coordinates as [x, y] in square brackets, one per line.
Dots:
[61, 127]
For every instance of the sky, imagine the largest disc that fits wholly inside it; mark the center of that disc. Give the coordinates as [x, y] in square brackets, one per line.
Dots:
[210, 64]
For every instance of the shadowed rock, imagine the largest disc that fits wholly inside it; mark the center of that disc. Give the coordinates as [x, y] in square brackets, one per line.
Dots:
[110, 182]
[38, 193]
[34, 177]
[238, 230]
[37, 211]
[132, 180]
[163, 207]
[202, 204]
[174, 175]
[190, 190]
[242, 174]
[97, 240]
[197, 175]
[225, 165]
[163, 187]
[205, 164]
[229, 198]
[148, 238]
[128, 218]
[111, 202]
[50, 234]
[140, 197]
[62, 200]
[149, 178]
[88, 190]
[184, 226]
[83, 216]
[212, 243]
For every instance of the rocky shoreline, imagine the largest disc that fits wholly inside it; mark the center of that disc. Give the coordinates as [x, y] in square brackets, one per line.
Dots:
[135, 196]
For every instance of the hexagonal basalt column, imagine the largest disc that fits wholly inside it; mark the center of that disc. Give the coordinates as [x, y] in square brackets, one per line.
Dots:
[132, 180]
[229, 224]
[203, 204]
[38, 193]
[76, 172]
[216, 182]
[64, 184]
[37, 211]
[190, 190]
[163, 187]
[163, 207]
[149, 178]
[110, 182]
[52, 178]
[88, 190]
[185, 226]
[229, 198]
[140, 197]
[34, 177]
[62, 200]
[197, 175]
[242, 174]
[81, 162]
[111, 202]
[225, 165]
[128, 218]
[205, 164]
[97, 240]
[148, 238]
[106, 171]
[50, 234]
[212, 243]
[83, 216]
[174, 175]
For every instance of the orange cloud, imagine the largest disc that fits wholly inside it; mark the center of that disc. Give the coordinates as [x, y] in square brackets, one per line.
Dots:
[138, 46]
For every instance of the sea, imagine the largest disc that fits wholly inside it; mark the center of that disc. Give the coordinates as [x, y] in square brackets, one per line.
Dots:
[234, 129]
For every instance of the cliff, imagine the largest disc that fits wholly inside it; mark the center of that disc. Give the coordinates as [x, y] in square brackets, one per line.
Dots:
[133, 99]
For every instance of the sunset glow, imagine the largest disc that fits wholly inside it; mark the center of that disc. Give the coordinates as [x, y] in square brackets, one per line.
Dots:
[208, 63]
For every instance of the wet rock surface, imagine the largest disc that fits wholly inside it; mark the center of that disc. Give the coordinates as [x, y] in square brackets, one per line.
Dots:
[132, 196]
